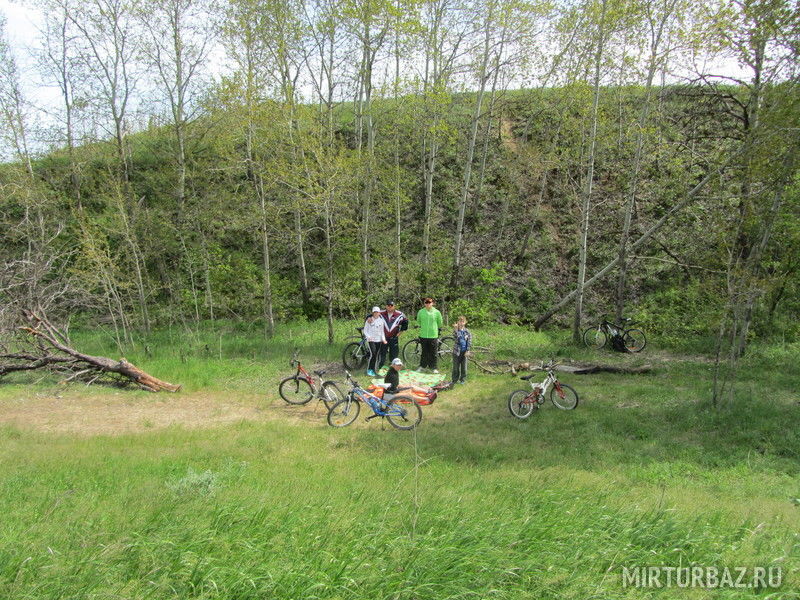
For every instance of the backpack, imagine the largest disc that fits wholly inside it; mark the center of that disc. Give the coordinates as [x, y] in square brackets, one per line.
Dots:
[404, 324]
[618, 343]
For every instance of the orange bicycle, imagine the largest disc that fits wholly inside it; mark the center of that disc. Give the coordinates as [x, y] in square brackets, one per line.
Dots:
[300, 388]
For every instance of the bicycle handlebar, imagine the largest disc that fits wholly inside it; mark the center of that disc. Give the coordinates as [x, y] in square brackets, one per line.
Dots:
[350, 379]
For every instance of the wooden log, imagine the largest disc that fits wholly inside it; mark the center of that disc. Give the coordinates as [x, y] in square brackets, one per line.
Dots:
[498, 367]
[589, 369]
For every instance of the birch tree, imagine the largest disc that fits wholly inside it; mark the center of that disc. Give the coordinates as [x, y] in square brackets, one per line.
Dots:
[180, 35]
[660, 18]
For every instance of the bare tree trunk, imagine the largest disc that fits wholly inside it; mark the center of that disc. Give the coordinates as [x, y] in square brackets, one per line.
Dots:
[398, 251]
[329, 257]
[587, 194]
[523, 247]
[266, 272]
[653, 64]
[483, 77]
[430, 167]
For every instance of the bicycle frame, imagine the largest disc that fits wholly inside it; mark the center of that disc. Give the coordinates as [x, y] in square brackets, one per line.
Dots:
[612, 328]
[303, 374]
[376, 404]
[538, 390]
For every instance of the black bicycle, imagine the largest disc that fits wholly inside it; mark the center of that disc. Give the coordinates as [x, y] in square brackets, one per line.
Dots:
[356, 353]
[412, 352]
[597, 337]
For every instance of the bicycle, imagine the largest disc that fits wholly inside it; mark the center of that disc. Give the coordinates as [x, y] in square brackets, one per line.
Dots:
[400, 410]
[412, 352]
[521, 403]
[633, 340]
[300, 388]
[355, 354]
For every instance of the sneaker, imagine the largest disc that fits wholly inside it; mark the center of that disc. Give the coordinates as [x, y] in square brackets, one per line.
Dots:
[463, 381]
[435, 371]
[371, 373]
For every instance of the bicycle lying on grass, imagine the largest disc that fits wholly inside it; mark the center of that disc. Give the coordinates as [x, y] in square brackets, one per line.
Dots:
[412, 352]
[633, 340]
[401, 411]
[300, 388]
[521, 403]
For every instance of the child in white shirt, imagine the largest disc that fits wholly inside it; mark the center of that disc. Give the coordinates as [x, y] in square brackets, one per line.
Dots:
[376, 336]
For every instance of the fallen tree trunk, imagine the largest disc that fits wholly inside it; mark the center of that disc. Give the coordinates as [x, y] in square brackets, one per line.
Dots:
[72, 362]
[499, 367]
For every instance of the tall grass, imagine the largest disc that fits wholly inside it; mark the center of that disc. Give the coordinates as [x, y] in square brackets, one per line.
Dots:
[475, 504]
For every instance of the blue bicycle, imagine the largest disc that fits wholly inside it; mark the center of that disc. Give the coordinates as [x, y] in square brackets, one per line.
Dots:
[401, 411]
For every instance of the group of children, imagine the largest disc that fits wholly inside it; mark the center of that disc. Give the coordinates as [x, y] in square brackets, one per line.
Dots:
[382, 328]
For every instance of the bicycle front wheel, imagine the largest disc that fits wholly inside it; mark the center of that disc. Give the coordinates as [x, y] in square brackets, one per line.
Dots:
[354, 356]
[344, 412]
[403, 412]
[594, 338]
[296, 390]
[520, 404]
[331, 394]
[412, 353]
[563, 396]
[634, 339]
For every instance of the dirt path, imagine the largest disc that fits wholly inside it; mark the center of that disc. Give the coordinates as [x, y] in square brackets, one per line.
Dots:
[119, 412]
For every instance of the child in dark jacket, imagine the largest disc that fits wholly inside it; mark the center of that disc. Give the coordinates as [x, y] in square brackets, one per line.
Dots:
[461, 350]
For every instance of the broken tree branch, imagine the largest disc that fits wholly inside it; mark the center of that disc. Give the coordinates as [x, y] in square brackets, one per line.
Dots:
[48, 338]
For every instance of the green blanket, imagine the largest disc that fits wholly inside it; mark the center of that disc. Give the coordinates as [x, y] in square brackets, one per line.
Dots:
[409, 377]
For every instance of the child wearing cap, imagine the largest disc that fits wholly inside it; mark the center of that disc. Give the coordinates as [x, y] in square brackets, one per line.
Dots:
[393, 379]
[374, 332]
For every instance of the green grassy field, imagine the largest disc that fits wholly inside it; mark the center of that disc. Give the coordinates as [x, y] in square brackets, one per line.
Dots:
[474, 504]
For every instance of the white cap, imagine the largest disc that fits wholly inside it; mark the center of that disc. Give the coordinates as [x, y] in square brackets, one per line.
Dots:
[376, 309]
[397, 361]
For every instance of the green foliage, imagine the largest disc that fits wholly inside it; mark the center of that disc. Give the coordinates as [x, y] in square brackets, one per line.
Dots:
[685, 316]
[488, 299]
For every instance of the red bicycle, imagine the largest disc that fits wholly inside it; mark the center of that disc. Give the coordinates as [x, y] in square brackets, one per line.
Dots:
[301, 387]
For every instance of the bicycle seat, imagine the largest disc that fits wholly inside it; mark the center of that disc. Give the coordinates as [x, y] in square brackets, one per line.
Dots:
[319, 373]
[360, 329]
[526, 377]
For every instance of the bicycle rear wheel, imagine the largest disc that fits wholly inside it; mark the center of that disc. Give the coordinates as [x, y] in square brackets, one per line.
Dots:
[403, 412]
[412, 353]
[354, 356]
[344, 412]
[563, 396]
[296, 390]
[634, 339]
[520, 404]
[594, 338]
